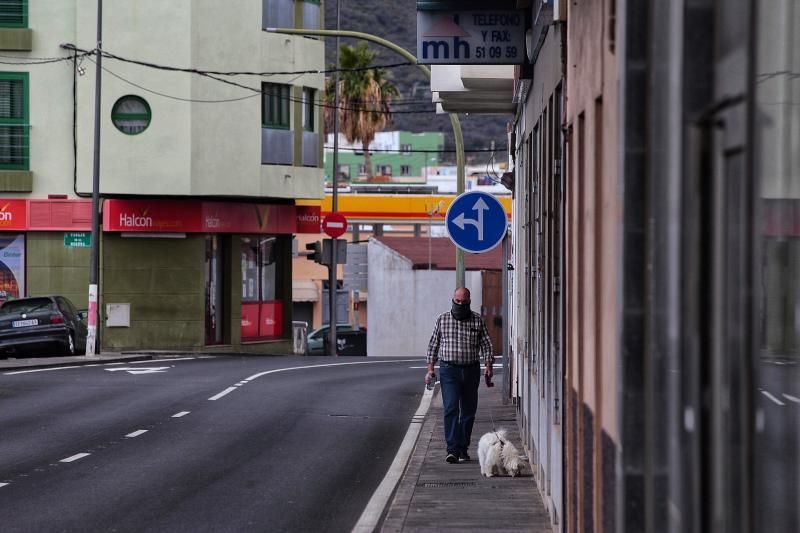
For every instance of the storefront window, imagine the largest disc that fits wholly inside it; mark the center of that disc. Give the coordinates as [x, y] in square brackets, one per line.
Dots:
[777, 168]
[262, 310]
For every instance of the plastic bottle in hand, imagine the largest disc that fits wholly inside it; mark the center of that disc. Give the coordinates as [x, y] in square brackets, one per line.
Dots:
[431, 382]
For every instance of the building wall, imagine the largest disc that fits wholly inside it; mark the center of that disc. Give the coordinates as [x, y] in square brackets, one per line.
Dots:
[195, 148]
[536, 299]
[592, 226]
[163, 281]
[404, 303]
[420, 162]
[52, 268]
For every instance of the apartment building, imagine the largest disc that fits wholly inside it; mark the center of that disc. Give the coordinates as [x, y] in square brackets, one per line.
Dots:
[210, 131]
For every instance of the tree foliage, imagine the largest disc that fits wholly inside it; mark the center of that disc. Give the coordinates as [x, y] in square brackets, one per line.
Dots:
[364, 97]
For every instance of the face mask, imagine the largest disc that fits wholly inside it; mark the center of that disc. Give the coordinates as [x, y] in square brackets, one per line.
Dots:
[461, 311]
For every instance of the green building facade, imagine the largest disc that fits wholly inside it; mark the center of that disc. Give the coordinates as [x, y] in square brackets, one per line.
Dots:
[396, 157]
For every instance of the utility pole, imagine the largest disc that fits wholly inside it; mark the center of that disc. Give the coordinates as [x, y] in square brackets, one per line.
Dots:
[94, 261]
[332, 269]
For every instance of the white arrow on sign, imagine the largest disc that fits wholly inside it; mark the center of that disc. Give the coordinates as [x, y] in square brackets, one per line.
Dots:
[461, 221]
[140, 370]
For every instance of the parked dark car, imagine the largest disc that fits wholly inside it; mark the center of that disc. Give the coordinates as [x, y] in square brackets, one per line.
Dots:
[317, 339]
[42, 325]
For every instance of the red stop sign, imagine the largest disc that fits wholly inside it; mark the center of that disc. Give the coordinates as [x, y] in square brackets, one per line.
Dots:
[334, 225]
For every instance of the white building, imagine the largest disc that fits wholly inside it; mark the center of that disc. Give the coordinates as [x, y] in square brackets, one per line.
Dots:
[207, 165]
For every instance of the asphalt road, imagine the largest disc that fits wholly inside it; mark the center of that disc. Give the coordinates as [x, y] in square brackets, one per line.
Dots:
[778, 447]
[215, 444]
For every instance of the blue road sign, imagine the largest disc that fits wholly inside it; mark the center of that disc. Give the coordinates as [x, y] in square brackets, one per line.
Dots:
[476, 222]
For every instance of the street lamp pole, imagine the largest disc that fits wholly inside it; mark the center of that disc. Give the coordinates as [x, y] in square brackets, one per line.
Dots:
[94, 261]
[455, 123]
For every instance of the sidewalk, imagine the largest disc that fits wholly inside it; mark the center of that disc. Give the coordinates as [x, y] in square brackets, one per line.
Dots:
[433, 495]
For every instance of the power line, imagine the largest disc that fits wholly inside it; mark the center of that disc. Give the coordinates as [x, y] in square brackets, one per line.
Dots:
[148, 64]
[412, 151]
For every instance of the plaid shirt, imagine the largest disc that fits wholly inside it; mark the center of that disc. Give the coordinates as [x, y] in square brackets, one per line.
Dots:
[460, 342]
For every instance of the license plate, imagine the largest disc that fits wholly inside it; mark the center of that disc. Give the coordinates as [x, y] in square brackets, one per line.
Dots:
[23, 323]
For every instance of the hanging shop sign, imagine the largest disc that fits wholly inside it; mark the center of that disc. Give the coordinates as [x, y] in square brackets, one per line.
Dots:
[480, 37]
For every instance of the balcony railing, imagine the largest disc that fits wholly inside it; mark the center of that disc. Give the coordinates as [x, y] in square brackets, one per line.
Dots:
[14, 146]
[310, 149]
[277, 147]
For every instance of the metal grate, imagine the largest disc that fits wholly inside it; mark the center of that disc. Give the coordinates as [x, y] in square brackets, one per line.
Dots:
[449, 484]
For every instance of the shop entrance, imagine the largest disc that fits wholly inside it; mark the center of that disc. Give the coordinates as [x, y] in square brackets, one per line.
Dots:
[262, 311]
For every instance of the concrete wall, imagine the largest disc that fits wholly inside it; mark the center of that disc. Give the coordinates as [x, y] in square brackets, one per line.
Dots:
[404, 303]
[52, 268]
[190, 148]
[164, 283]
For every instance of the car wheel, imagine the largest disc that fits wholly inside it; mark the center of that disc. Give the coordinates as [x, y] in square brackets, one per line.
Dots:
[70, 343]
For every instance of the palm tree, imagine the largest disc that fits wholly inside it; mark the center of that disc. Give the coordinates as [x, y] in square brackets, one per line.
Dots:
[364, 97]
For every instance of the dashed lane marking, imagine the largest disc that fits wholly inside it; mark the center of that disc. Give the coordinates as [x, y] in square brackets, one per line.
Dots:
[771, 397]
[791, 398]
[136, 433]
[221, 394]
[182, 413]
[3, 484]
[75, 457]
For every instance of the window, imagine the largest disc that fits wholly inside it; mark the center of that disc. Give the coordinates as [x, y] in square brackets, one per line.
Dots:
[405, 170]
[277, 14]
[14, 138]
[383, 170]
[308, 109]
[131, 115]
[262, 279]
[344, 173]
[13, 13]
[405, 149]
[312, 15]
[362, 169]
[275, 106]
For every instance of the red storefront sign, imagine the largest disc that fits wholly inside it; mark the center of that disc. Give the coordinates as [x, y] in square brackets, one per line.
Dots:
[13, 215]
[308, 218]
[197, 217]
[165, 216]
[262, 320]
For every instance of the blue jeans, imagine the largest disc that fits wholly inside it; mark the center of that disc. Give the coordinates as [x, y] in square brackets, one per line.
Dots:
[459, 386]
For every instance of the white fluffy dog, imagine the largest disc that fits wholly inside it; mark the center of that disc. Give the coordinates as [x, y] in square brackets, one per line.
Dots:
[498, 456]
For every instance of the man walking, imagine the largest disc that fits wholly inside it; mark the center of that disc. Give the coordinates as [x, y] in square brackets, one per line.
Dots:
[459, 341]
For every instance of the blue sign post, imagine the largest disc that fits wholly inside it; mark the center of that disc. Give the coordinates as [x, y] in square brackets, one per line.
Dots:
[476, 222]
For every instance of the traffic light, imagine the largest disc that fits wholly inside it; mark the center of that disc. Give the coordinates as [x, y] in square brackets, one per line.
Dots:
[314, 251]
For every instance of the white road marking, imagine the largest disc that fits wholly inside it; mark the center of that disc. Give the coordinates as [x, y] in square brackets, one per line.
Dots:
[137, 371]
[3, 484]
[136, 433]
[182, 413]
[39, 370]
[75, 457]
[791, 398]
[268, 372]
[260, 374]
[221, 394]
[372, 513]
[771, 397]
